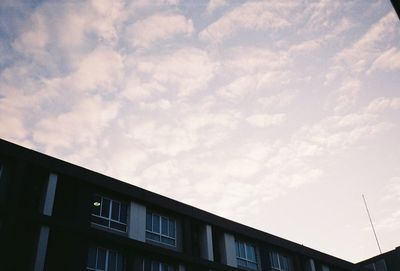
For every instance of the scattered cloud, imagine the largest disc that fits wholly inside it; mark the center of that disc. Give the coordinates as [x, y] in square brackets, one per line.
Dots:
[388, 60]
[265, 120]
[214, 5]
[383, 103]
[148, 31]
[250, 15]
[82, 124]
[256, 99]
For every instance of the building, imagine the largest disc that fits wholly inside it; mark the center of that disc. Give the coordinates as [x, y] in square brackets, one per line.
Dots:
[59, 216]
[384, 262]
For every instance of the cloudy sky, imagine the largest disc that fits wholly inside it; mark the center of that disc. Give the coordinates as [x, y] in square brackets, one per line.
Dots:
[276, 114]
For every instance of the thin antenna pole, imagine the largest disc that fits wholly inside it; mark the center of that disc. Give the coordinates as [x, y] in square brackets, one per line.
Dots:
[372, 225]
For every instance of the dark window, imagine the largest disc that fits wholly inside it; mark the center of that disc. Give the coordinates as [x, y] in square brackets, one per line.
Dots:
[246, 255]
[102, 259]
[280, 262]
[151, 265]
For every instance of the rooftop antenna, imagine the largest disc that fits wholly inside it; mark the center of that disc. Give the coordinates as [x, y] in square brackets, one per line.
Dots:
[372, 225]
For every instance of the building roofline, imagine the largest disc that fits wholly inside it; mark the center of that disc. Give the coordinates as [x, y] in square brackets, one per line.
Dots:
[60, 166]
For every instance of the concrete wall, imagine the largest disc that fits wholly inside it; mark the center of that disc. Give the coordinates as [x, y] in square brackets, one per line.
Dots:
[48, 202]
[137, 222]
[228, 251]
[41, 248]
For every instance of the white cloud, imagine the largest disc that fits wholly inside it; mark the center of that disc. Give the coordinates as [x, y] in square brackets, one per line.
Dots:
[102, 68]
[250, 15]
[347, 94]
[281, 99]
[184, 71]
[214, 5]
[253, 60]
[388, 60]
[265, 120]
[161, 104]
[392, 190]
[239, 87]
[383, 103]
[307, 45]
[146, 32]
[83, 124]
[360, 55]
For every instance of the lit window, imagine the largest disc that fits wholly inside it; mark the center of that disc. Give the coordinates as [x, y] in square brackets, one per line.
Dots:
[160, 229]
[150, 265]
[102, 259]
[109, 213]
[246, 255]
[280, 262]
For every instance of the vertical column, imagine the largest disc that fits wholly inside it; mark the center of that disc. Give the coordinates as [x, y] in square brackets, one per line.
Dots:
[41, 248]
[137, 222]
[206, 243]
[44, 232]
[228, 251]
[50, 194]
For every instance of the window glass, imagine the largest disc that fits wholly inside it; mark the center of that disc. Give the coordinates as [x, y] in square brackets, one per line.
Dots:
[280, 262]
[112, 261]
[120, 262]
[96, 206]
[160, 228]
[251, 255]
[153, 265]
[164, 225]
[171, 228]
[246, 255]
[105, 207]
[115, 210]
[102, 259]
[92, 258]
[149, 222]
[109, 213]
[380, 265]
[123, 213]
[156, 223]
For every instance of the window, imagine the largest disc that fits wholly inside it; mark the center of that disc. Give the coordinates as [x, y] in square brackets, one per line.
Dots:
[325, 268]
[102, 259]
[109, 213]
[150, 265]
[160, 229]
[377, 266]
[280, 262]
[246, 255]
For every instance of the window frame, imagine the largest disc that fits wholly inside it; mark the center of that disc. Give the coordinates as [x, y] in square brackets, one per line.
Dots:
[109, 218]
[149, 232]
[248, 261]
[107, 256]
[279, 259]
[159, 264]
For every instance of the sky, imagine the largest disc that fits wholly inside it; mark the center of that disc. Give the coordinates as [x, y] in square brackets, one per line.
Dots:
[275, 114]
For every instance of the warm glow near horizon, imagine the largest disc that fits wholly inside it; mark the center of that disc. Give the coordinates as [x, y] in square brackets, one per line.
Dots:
[275, 114]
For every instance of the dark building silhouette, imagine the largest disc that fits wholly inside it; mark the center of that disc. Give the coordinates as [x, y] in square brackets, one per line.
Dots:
[59, 216]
